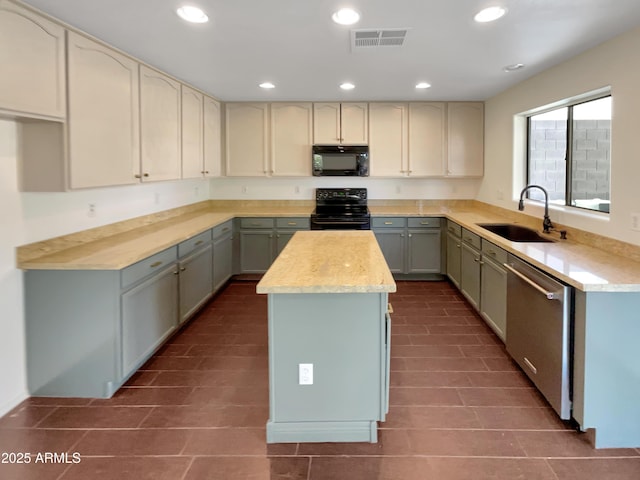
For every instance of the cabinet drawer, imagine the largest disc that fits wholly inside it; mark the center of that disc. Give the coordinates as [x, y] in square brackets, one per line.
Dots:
[388, 222]
[494, 252]
[454, 228]
[471, 238]
[148, 266]
[256, 222]
[424, 222]
[300, 223]
[222, 229]
[199, 241]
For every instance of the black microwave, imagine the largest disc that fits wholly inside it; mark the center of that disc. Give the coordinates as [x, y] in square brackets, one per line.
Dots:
[340, 160]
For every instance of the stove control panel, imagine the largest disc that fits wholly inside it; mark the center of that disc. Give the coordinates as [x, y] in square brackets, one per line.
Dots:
[344, 194]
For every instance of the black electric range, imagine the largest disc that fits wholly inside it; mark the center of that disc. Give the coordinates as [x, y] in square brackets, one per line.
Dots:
[341, 209]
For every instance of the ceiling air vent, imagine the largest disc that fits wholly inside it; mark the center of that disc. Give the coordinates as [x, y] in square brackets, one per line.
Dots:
[382, 37]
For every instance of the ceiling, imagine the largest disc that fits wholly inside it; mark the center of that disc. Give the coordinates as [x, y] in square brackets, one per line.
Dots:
[295, 45]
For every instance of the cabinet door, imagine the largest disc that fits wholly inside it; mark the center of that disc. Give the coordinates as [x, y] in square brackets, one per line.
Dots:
[454, 256]
[392, 244]
[256, 249]
[470, 274]
[212, 138]
[291, 139]
[326, 123]
[149, 315]
[222, 260]
[388, 146]
[32, 53]
[493, 296]
[423, 251]
[192, 133]
[246, 139]
[196, 281]
[427, 139]
[466, 139]
[354, 123]
[159, 126]
[104, 116]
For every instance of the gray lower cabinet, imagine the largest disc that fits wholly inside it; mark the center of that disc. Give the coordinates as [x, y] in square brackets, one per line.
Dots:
[454, 252]
[262, 240]
[222, 254]
[493, 288]
[149, 312]
[410, 245]
[470, 267]
[196, 281]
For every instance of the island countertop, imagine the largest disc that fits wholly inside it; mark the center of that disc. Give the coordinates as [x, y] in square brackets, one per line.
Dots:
[329, 261]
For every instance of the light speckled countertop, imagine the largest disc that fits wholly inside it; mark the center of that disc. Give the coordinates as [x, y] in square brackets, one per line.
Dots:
[584, 267]
[329, 261]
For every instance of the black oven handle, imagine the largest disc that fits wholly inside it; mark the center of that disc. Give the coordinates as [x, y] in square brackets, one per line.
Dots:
[340, 223]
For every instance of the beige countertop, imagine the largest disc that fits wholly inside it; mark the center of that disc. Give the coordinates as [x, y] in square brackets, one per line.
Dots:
[329, 261]
[582, 266]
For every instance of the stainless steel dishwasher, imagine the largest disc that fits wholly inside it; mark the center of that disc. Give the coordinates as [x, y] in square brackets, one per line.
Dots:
[538, 331]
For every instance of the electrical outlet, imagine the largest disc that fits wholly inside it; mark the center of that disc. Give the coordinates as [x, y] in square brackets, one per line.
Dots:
[92, 210]
[244, 189]
[635, 222]
[156, 198]
[398, 189]
[297, 189]
[196, 191]
[305, 374]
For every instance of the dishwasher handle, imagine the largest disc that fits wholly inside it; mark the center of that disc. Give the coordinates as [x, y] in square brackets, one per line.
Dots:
[545, 292]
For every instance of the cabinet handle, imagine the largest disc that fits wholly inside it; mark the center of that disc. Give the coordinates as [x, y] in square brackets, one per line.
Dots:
[182, 269]
[145, 174]
[155, 264]
[452, 230]
[175, 273]
[492, 252]
[402, 234]
[225, 229]
[388, 223]
[481, 262]
[424, 223]
[476, 259]
[199, 242]
[457, 245]
[205, 172]
[137, 175]
[292, 223]
[278, 236]
[410, 235]
[255, 224]
[530, 365]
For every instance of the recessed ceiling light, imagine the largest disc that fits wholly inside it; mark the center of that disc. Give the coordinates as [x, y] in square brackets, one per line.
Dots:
[192, 14]
[423, 85]
[347, 86]
[267, 85]
[346, 16]
[513, 67]
[489, 14]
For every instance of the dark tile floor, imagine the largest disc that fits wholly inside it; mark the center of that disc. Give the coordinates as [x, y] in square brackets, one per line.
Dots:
[460, 409]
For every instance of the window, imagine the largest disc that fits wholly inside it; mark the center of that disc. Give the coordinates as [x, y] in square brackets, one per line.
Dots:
[569, 154]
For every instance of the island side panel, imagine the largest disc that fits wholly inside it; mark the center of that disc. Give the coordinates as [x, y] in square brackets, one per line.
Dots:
[343, 336]
[606, 383]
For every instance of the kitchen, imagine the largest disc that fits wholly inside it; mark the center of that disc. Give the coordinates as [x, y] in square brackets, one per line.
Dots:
[34, 217]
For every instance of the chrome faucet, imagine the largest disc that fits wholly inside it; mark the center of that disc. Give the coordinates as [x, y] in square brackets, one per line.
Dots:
[546, 223]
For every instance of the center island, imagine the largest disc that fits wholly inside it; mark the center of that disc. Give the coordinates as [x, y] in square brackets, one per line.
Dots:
[329, 338]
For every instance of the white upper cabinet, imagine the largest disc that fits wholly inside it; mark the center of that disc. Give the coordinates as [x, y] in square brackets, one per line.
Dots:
[32, 58]
[246, 137]
[335, 123]
[103, 118]
[192, 133]
[212, 147]
[427, 139]
[388, 139]
[291, 138]
[466, 139]
[159, 126]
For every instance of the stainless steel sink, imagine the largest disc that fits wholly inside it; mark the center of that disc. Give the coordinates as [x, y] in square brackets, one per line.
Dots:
[515, 233]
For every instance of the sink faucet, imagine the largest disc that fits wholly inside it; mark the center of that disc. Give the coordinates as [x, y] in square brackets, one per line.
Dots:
[546, 223]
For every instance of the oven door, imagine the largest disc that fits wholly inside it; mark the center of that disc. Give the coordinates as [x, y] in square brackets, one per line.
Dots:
[322, 222]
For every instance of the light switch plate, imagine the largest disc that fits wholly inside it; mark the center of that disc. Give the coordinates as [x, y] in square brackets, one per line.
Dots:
[305, 374]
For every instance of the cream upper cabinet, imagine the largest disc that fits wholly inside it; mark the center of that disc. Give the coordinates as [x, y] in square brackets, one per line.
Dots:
[159, 126]
[212, 139]
[291, 138]
[32, 55]
[466, 139]
[192, 133]
[246, 139]
[427, 139]
[335, 123]
[103, 118]
[388, 139]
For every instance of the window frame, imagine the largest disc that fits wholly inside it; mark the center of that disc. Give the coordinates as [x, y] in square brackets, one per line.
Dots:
[569, 104]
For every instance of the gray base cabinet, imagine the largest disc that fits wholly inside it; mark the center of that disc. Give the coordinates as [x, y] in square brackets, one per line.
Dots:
[493, 288]
[454, 252]
[222, 254]
[470, 268]
[410, 245]
[196, 281]
[345, 337]
[262, 240]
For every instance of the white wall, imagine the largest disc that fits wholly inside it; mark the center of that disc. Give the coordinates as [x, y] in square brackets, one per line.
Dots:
[30, 217]
[304, 188]
[614, 63]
